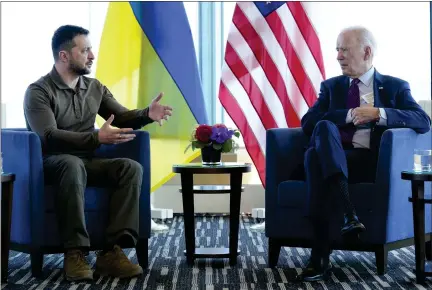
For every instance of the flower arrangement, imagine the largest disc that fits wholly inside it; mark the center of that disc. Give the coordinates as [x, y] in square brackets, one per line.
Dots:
[218, 136]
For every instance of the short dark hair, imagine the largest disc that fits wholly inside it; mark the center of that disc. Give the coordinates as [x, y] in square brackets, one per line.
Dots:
[63, 38]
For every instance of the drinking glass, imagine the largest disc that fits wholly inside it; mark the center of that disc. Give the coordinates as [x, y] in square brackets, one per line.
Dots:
[422, 160]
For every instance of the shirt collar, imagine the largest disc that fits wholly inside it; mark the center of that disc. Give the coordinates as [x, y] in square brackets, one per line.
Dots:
[58, 81]
[367, 77]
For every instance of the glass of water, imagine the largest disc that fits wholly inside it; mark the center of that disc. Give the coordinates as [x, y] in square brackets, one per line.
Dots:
[422, 160]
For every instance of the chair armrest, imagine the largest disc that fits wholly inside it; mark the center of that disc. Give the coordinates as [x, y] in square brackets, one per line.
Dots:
[284, 153]
[397, 154]
[138, 150]
[22, 155]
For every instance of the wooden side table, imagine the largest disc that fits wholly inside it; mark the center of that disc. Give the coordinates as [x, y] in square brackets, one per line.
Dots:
[7, 181]
[235, 170]
[418, 203]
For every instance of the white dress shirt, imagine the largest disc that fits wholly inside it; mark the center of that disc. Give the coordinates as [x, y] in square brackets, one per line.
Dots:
[361, 138]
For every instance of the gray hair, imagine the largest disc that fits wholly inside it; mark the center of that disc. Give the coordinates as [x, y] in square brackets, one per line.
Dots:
[365, 37]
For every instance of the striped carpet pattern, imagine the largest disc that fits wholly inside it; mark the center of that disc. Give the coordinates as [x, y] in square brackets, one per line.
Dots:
[168, 269]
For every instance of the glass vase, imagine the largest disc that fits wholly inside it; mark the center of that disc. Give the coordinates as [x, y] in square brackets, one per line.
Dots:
[211, 156]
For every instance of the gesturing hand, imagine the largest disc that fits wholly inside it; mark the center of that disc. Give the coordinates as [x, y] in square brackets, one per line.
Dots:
[110, 135]
[363, 115]
[158, 112]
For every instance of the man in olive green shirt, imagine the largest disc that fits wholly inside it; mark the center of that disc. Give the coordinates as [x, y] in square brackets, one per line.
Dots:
[61, 107]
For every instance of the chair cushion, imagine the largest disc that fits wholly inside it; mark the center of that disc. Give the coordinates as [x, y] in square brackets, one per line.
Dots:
[96, 198]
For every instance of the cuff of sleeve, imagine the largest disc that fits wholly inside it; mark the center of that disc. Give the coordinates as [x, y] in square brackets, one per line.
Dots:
[145, 116]
[349, 118]
[95, 137]
[383, 117]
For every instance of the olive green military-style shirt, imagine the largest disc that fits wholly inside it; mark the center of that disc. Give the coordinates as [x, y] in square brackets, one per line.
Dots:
[64, 118]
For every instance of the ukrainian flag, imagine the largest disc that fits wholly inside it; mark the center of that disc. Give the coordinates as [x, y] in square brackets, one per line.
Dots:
[147, 48]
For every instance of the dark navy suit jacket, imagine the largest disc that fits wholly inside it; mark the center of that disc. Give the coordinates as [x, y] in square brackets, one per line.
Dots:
[390, 93]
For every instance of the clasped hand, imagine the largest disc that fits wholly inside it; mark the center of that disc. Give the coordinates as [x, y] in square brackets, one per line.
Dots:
[363, 115]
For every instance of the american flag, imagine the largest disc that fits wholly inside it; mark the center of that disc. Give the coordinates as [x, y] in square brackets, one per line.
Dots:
[272, 71]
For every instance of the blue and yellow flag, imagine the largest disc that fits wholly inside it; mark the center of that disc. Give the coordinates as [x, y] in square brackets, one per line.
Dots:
[147, 48]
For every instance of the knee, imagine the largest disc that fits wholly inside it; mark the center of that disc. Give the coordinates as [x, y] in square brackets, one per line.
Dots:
[324, 129]
[133, 171]
[325, 125]
[72, 170]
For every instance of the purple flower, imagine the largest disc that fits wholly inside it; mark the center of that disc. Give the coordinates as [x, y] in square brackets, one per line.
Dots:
[221, 134]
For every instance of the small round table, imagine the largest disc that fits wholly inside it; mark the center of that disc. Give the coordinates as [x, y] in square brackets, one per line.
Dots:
[418, 203]
[235, 170]
[7, 181]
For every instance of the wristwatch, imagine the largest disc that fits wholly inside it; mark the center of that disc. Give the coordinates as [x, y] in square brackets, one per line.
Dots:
[379, 116]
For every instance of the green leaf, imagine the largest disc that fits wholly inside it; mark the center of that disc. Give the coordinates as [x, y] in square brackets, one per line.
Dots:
[227, 146]
[237, 134]
[191, 144]
[217, 146]
[199, 144]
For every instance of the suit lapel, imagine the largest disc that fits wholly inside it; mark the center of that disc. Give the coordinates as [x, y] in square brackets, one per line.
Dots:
[344, 86]
[378, 96]
[378, 89]
[343, 89]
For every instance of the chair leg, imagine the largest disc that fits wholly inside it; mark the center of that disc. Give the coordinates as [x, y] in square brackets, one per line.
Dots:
[429, 250]
[36, 260]
[274, 251]
[381, 259]
[142, 252]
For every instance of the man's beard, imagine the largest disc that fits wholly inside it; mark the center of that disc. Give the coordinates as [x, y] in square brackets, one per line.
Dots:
[80, 71]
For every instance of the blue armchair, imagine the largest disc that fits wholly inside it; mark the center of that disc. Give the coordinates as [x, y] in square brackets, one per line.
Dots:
[34, 228]
[382, 206]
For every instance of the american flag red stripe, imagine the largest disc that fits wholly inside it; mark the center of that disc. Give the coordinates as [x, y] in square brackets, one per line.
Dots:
[272, 71]
[308, 32]
[260, 51]
[251, 88]
[294, 63]
[251, 142]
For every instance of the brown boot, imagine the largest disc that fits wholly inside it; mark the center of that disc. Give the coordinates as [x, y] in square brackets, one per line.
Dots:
[114, 263]
[76, 267]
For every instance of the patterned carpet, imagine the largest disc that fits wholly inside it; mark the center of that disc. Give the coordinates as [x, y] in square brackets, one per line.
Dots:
[168, 269]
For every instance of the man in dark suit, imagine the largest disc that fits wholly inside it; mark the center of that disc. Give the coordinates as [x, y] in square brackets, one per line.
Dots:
[345, 125]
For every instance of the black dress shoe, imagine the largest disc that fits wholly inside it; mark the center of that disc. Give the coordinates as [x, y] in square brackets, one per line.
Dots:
[315, 271]
[352, 226]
